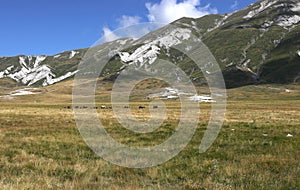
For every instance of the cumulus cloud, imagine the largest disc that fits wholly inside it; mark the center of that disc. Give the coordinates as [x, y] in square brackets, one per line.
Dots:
[165, 12]
[125, 20]
[169, 10]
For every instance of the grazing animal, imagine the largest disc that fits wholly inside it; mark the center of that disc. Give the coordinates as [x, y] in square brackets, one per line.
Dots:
[142, 107]
[103, 107]
[127, 107]
[155, 107]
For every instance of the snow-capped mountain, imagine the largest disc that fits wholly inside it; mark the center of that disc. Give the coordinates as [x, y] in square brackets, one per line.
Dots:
[39, 70]
[258, 44]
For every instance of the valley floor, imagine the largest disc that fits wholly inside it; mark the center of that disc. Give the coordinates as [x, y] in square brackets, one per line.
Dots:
[258, 146]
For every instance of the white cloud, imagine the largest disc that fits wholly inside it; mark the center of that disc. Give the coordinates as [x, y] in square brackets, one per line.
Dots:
[108, 35]
[169, 10]
[125, 20]
[164, 12]
[234, 5]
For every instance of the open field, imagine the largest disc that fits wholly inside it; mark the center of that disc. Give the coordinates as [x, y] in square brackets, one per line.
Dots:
[41, 147]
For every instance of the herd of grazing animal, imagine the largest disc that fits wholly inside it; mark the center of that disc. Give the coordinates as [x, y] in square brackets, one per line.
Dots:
[104, 107]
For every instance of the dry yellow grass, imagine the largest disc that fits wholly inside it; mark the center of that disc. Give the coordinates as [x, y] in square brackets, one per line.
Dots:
[41, 147]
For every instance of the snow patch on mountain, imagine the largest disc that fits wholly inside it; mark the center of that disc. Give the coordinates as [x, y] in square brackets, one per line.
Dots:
[201, 98]
[72, 54]
[24, 91]
[146, 52]
[152, 54]
[39, 59]
[174, 38]
[56, 56]
[36, 74]
[296, 8]
[263, 6]
[29, 72]
[286, 21]
[6, 71]
[50, 80]
[298, 52]
[184, 24]
[219, 22]
[149, 51]
[124, 41]
[168, 93]
[173, 93]
[268, 24]
[194, 25]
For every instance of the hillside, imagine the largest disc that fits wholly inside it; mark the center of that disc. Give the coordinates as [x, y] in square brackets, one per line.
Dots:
[259, 44]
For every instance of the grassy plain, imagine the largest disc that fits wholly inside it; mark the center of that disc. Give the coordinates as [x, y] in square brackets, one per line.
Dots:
[41, 147]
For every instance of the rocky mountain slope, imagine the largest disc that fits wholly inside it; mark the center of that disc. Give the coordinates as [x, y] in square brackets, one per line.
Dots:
[40, 70]
[259, 44]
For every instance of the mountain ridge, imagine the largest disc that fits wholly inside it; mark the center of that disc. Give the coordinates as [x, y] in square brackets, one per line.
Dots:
[258, 44]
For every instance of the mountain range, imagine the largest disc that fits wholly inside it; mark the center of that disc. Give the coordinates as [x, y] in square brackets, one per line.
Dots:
[258, 44]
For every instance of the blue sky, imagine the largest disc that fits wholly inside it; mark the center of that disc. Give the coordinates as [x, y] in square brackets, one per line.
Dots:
[34, 27]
